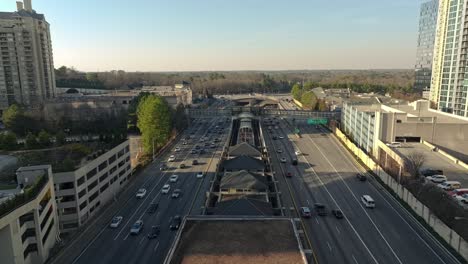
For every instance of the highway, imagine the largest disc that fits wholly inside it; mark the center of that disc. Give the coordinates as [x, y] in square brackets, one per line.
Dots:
[326, 174]
[117, 245]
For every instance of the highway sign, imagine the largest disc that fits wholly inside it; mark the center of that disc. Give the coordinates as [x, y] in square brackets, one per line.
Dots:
[317, 121]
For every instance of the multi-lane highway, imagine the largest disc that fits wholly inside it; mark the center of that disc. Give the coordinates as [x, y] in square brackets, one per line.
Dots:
[117, 245]
[326, 173]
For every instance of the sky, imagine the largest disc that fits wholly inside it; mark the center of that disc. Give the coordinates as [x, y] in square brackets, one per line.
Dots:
[219, 35]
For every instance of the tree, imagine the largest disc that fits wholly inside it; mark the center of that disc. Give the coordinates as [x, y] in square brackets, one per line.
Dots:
[44, 138]
[180, 118]
[296, 91]
[309, 100]
[413, 163]
[154, 120]
[9, 141]
[31, 141]
[12, 115]
[60, 138]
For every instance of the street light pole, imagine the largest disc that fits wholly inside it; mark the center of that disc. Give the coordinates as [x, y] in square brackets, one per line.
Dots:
[153, 149]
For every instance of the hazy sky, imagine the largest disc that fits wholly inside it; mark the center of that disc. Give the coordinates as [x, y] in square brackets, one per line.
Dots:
[185, 35]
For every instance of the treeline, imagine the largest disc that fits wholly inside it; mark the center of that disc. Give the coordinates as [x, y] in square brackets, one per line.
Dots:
[308, 99]
[206, 83]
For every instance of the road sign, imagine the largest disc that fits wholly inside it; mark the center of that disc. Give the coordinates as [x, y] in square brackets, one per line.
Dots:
[317, 121]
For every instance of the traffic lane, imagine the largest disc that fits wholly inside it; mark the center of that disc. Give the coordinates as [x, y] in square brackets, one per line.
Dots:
[127, 211]
[342, 239]
[398, 236]
[370, 235]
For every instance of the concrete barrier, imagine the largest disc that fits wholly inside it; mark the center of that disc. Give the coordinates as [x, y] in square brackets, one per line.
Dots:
[449, 235]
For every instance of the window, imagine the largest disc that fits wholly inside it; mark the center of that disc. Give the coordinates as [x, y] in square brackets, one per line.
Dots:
[91, 174]
[103, 177]
[29, 249]
[44, 239]
[26, 218]
[67, 211]
[120, 154]
[30, 232]
[398, 121]
[127, 149]
[102, 165]
[92, 185]
[81, 181]
[93, 196]
[81, 194]
[122, 172]
[68, 198]
[113, 169]
[83, 205]
[66, 185]
[121, 163]
[112, 159]
[44, 221]
[70, 225]
[104, 187]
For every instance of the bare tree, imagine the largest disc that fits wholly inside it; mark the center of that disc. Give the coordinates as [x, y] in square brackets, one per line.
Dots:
[413, 163]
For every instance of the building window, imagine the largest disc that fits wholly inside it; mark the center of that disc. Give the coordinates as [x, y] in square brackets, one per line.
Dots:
[81, 194]
[29, 249]
[70, 225]
[91, 174]
[46, 217]
[103, 177]
[30, 232]
[66, 185]
[68, 211]
[83, 205]
[92, 185]
[81, 181]
[102, 165]
[44, 239]
[93, 196]
[26, 218]
[112, 159]
[68, 198]
[104, 187]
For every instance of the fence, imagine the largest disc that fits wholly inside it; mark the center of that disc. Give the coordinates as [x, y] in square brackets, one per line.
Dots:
[449, 235]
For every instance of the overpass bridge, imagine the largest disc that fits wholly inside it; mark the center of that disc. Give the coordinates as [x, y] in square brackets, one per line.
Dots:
[262, 112]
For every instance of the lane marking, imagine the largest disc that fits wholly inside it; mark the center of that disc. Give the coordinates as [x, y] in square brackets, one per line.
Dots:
[156, 247]
[338, 230]
[354, 258]
[329, 246]
[316, 220]
[141, 241]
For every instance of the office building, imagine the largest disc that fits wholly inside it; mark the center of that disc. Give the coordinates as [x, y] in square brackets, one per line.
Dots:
[28, 217]
[426, 38]
[449, 84]
[26, 63]
[84, 191]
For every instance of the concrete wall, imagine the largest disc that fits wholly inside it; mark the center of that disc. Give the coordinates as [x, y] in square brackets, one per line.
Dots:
[450, 236]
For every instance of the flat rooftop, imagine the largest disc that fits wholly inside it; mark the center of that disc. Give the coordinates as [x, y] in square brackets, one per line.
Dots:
[435, 160]
[210, 240]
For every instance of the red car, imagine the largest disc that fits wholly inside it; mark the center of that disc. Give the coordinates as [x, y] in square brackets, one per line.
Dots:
[458, 192]
[289, 174]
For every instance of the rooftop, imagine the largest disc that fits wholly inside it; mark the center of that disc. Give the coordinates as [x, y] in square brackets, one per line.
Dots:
[243, 180]
[205, 240]
[243, 206]
[243, 163]
[244, 148]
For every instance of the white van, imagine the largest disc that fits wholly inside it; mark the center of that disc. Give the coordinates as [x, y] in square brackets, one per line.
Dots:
[449, 185]
[368, 201]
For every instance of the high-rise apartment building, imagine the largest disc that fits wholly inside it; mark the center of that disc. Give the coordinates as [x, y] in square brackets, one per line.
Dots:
[426, 38]
[449, 82]
[26, 64]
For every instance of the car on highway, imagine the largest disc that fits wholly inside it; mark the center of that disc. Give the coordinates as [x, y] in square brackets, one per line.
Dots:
[281, 137]
[320, 209]
[141, 193]
[193, 151]
[174, 178]
[294, 162]
[116, 221]
[275, 138]
[154, 233]
[337, 213]
[171, 158]
[297, 152]
[184, 142]
[289, 174]
[163, 167]
[212, 145]
[182, 166]
[200, 175]
[152, 208]
[175, 222]
[136, 227]
[305, 212]
[176, 193]
[202, 151]
[361, 176]
[165, 189]
[177, 149]
[283, 160]
[197, 147]
[437, 178]
[368, 201]
[194, 162]
[279, 150]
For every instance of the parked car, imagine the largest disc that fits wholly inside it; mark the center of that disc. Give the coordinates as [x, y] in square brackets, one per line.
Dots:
[437, 178]
[320, 209]
[361, 177]
[141, 193]
[394, 144]
[136, 227]
[431, 172]
[152, 208]
[171, 158]
[297, 152]
[163, 167]
[193, 151]
[459, 192]
[200, 175]
[194, 162]
[337, 213]
[165, 189]
[182, 166]
[175, 222]
[305, 212]
[116, 221]
[173, 178]
[462, 199]
[449, 185]
[177, 149]
[155, 230]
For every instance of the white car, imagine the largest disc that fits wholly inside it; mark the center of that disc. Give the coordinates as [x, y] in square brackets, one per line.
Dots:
[297, 152]
[281, 137]
[177, 149]
[279, 150]
[165, 189]
[394, 144]
[200, 175]
[171, 158]
[283, 160]
[437, 178]
[174, 178]
[141, 193]
[462, 199]
[116, 221]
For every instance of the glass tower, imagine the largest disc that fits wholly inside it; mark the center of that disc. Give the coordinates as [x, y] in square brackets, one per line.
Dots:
[425, 49]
